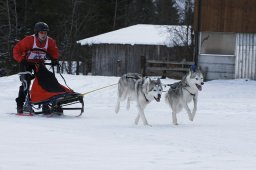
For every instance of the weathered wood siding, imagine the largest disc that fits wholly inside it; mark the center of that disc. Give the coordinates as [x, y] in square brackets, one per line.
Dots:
[115, 60]
[225, 15]
[245, 56]
[236, 16]
[240, 65]
[217, 66]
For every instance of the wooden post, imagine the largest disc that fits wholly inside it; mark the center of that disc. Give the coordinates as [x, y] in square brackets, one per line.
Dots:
[118, 68]
[77, 67]
[143, 65]
[83, 67]
[164, 73]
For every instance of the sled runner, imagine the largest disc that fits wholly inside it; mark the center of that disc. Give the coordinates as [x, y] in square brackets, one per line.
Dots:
[48, 94]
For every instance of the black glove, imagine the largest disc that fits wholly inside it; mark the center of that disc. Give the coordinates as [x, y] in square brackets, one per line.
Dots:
[55, 62]
[23, 65]
[48, 56]
[24, 62]
[27, 77]
[22, 78]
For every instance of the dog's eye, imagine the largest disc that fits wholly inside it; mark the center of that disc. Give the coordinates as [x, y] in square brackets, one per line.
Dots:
[196, 78]
[154, 90]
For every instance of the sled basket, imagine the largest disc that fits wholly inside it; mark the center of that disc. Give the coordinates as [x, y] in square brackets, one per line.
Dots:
[46, 90]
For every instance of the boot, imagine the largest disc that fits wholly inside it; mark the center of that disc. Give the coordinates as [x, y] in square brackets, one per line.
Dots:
[19, 109]
[22, 112]
[28, 108]
[58, 110]
[46, 109]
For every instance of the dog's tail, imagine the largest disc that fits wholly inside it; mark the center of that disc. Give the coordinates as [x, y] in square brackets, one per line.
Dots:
[166, 97]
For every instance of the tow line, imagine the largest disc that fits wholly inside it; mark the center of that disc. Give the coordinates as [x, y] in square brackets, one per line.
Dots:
[83, 94]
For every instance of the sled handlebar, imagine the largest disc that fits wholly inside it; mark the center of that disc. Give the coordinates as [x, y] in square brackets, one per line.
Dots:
[52, 64]
[25, 72]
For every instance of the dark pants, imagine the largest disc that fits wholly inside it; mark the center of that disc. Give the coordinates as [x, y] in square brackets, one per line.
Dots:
[22, 92]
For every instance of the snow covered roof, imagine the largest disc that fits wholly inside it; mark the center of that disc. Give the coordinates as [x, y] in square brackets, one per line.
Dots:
[142, 34]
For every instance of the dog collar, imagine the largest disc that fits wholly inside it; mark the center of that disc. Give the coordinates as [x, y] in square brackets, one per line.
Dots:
[146, 97]
[189, 92]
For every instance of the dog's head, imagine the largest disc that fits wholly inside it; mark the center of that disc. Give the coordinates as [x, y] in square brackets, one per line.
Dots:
[195, 78]
[153, 89]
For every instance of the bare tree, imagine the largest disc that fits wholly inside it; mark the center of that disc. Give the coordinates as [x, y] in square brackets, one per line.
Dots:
[8, 32]
[114, 22]
[74, 25]
[184, 33]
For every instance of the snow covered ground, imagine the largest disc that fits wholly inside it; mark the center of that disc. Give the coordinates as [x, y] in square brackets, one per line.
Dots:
[223, 135]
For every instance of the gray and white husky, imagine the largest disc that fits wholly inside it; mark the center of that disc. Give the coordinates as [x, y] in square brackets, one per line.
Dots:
[133, 86]
[182, 93]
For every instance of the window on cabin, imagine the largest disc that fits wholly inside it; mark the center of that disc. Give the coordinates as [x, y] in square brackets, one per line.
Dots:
[217, 43]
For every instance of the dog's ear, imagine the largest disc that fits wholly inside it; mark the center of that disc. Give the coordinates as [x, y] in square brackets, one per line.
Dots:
[148, 79]
[146, 84]
[158, 81]
[189, 73]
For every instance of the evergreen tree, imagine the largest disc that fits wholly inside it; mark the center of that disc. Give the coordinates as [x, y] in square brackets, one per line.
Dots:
[167, 13]
[72, 20]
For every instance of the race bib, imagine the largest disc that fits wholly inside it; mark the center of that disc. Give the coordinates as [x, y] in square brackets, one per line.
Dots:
[37, 55]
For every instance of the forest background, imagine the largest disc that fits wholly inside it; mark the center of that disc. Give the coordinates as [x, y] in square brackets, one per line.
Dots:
[73, 20]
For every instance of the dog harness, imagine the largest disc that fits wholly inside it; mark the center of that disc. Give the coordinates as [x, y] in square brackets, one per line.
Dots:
[188, 90]
[133, 77]
[144, 93]
[37, 53]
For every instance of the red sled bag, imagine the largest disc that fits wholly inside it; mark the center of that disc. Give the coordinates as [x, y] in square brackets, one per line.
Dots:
[46, 86]
[47, 91]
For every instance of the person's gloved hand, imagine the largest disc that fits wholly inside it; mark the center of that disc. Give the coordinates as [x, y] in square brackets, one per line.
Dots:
[22, 77]
[26, 77]
[48, 56]
[23, 65]
[24, 62]
[55, 62]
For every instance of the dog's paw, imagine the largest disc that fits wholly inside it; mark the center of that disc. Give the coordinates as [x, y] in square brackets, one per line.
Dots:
[194, 112]
[117, 109]
[191, 117]
[175, 123]
[145, 123]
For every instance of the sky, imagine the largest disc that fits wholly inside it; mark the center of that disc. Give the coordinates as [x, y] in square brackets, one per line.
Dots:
[222, 136]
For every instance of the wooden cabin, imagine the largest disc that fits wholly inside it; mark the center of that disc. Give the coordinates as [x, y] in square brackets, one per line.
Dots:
[121, 51]
[225, 33]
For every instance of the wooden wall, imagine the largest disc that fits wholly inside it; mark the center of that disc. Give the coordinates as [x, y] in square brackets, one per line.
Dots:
[225, 16]
[245, 56]
[116, 60]
[217, 66]
[241, 65]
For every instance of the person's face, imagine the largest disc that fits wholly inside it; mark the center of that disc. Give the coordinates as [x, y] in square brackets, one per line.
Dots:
[42, 35]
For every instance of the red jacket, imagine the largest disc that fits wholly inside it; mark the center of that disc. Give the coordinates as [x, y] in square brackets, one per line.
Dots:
[21, 49]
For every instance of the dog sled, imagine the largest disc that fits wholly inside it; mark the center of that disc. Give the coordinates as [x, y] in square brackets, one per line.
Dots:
[47, 92]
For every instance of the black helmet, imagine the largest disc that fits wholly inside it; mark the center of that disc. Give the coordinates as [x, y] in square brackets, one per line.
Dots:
[40, 26]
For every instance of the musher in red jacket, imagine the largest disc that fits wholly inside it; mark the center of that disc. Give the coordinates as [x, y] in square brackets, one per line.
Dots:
[30, 50]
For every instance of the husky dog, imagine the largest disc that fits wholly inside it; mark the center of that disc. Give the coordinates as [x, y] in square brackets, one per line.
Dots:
[126, 89]
[132, 86]
[182, 93]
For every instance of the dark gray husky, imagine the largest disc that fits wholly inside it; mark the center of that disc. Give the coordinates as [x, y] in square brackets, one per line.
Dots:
[133, 86]
[182, 93]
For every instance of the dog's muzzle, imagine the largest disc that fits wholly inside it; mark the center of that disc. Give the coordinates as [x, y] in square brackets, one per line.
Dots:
[158, 98]
[199, 86]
